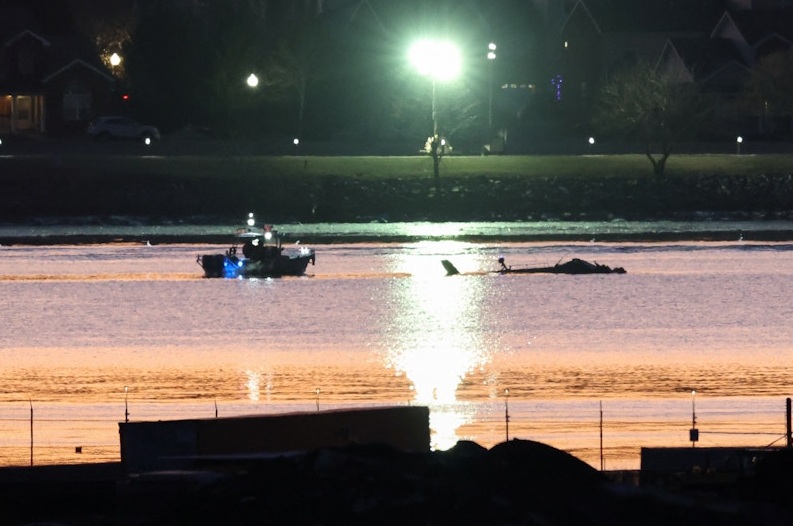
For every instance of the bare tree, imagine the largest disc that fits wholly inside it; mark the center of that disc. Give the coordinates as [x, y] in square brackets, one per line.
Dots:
[299, 59]
[645, 104]
[768, 93]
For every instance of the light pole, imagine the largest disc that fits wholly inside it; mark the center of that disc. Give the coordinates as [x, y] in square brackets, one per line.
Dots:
[693, 433]
[506, 412]
[491, 57]
[439, 60]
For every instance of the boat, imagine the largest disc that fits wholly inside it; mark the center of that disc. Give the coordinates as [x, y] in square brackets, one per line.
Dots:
[257, 253]
[574, 266]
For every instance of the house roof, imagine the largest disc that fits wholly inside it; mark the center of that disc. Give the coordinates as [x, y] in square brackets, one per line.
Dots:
[69, 49]
[77, 63]
[61, 54]
[652, 15]
[757, 26]
[25, 33]
[704, 57]
[625, 49]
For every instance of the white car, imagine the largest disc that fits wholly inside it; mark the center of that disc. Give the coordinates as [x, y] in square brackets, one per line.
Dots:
[115, 127]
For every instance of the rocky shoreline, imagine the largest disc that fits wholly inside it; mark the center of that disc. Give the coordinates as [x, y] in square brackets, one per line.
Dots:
[170, 190]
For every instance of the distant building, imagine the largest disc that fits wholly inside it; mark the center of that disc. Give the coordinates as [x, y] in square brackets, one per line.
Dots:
[48, 84]
[716, 50]
[147, 446]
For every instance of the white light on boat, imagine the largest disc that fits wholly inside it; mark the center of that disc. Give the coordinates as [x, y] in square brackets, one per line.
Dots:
[268, 236]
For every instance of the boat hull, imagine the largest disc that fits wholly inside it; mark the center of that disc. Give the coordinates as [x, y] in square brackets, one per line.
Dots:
[225, 266]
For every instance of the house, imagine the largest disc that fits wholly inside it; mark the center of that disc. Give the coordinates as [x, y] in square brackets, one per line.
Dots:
[49, 84]
[716, 50]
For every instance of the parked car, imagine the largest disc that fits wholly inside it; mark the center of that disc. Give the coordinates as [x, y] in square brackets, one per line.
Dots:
[115, 127]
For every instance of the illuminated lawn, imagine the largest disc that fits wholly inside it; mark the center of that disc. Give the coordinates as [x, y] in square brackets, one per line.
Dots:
[451, 166]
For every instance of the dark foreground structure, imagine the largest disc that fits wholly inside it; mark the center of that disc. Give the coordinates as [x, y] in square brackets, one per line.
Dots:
[222, 482]
[516, 482]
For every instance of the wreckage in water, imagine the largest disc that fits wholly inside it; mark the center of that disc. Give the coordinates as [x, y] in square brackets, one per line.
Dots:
[574, 266]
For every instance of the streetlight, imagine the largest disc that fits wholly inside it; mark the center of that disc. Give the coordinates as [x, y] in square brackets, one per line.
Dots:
[738, 141]
[115, 61]
[491, 57]
[252, 80]
[439, 60]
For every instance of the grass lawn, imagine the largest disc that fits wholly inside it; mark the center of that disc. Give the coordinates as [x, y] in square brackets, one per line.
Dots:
[632, 165]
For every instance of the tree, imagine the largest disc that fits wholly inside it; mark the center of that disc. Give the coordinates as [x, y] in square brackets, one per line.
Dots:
[109, 25]
[188, 66]
[768, 92]
[164, 64]
[645, 104]
[299, 60]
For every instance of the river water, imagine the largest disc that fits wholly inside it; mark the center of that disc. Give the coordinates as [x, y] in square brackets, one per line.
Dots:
[693, 330]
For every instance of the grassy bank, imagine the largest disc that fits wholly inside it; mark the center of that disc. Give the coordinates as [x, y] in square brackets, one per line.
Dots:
[313, 189]
[421, 166]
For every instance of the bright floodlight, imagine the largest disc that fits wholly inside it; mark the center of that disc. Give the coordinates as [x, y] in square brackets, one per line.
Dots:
[115, 60]
[252, 80]
[439, 59]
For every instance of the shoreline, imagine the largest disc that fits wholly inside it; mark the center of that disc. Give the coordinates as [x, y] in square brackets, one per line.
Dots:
[391, 190]
[57, 231]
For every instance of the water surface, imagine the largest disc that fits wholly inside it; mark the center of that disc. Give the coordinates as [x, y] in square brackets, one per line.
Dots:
[92, 331]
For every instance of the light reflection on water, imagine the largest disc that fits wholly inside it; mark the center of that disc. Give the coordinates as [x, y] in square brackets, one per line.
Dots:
[381, 324]
[433, 335]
